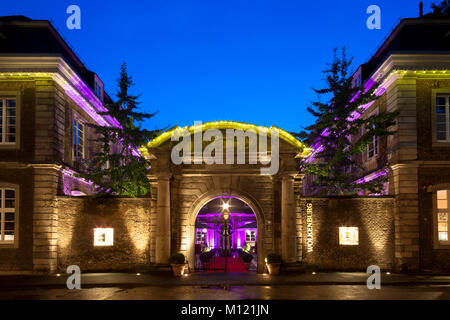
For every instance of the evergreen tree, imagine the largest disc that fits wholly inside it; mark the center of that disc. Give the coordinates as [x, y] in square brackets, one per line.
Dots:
[336, 136]
[118, 168]
[441, 9]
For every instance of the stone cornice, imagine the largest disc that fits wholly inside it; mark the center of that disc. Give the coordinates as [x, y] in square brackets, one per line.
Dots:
[56, 68]
[414, 62]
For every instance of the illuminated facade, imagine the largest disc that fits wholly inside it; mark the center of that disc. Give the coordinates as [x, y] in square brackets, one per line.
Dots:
[47, 220]
[46, 101]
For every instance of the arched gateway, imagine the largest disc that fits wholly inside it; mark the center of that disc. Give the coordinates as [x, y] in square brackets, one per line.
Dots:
[181, 190]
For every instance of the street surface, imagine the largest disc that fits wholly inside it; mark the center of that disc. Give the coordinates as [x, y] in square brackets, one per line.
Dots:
[284, 292]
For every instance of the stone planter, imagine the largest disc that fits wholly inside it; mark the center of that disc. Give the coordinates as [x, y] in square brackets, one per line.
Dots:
[178, 269]
[274, 268]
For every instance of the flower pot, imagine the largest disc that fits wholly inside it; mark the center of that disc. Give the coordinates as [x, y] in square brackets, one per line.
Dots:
[274, 268]
[178, 269]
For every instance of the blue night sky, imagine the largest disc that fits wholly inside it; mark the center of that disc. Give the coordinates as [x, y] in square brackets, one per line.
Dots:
[241, 60]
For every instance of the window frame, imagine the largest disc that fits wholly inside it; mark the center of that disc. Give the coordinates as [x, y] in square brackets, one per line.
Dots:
[202, 238]
[13, 95]
[250, 233]
[447, 117]
[375, 141]
[435, 93]
[376, 148]
[78, 120]
[98, 89]
[14, 243]
[437, 243]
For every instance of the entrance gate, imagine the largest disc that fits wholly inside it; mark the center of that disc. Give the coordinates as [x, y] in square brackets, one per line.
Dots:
[222, 237]
[211, 259]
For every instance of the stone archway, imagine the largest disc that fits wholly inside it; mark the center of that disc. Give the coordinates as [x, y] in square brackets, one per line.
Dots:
[180, 190]
[207, 197]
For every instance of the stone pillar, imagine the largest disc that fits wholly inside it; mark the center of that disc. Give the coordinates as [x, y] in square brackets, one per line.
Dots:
[298, 187]
[45, 219]
[406, 216]
[288, 221]
[162, 245]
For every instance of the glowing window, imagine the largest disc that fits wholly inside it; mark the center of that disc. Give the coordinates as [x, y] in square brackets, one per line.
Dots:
[201, 235]
[103, 237]
[348, 236]
[250, 236]
[442, 216]
[7, 215]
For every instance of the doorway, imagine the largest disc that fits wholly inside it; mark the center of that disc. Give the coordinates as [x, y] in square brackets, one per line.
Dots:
[225, 237]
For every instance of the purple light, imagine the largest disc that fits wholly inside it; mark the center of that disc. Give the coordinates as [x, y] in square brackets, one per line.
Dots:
[97, 105]
[373, 176]
[317, 148]
[355, 97]
[368, 85]
[68, 179]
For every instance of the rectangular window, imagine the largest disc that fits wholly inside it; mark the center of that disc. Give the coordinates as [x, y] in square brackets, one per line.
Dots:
[78, 139]
[8, 111]
[250, 236]
[348, 236]
[442, 118]
[442, 216]
[201, 236]
[7, 215]
[372, 148]
[98, 90]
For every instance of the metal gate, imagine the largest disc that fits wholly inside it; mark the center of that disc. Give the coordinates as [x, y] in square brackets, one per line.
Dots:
[213, 260]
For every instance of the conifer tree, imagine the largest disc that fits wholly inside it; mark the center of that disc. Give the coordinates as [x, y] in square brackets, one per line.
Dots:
[336, 136]
[118, 168]
[441, 9]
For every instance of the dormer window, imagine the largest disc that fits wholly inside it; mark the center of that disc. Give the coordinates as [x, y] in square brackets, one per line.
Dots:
[98, 88]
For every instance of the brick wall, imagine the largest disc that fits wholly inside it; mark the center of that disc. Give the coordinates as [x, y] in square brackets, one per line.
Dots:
[373, 217]
[77, 217]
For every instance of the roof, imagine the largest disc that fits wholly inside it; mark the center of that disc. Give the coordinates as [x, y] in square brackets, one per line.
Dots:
[413, 35]
[20, 35]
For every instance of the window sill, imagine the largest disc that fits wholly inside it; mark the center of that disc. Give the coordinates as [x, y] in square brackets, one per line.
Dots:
[443, 246]
[9, 146]
[7, 245]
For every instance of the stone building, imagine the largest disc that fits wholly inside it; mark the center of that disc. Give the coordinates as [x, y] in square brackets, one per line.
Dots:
[48, 221]
[47, 98]
[413, 68]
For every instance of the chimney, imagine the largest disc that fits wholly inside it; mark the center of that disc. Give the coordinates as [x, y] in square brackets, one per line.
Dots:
[421, 9]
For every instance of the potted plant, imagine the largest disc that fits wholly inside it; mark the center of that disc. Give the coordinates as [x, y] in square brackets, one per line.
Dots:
[273, 262]
[246, 259]
[178, 263]
[205, 258]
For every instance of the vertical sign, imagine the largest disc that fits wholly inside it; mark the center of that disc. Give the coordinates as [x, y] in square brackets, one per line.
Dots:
[309, 226]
